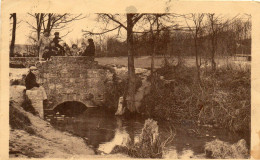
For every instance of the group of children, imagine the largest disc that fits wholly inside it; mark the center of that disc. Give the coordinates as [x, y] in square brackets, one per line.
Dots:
[53, 48]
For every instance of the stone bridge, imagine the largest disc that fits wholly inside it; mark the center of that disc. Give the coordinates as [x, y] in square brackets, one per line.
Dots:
[67, 79]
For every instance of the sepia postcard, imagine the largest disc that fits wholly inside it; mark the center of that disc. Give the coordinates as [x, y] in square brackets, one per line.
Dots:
[113, 79]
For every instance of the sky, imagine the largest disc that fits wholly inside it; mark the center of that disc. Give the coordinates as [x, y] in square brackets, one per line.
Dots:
[75, 28]
[89, 23]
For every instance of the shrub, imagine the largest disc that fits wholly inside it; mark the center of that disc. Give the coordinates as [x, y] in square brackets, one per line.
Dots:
[222, 99]
[149, 144]
[219, 149]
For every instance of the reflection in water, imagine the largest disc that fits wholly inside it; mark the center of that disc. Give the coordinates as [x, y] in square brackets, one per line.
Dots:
[103, 130]
[121, 138]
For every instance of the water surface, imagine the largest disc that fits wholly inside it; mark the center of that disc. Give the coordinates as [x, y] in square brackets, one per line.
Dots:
[102, 130]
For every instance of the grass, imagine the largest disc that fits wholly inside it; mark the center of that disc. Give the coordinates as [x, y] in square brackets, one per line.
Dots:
[223, 99]
[220, 150]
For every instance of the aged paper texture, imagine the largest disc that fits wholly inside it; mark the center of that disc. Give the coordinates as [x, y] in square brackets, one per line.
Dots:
[82, 138]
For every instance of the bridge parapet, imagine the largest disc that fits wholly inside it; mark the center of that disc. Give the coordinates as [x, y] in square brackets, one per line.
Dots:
[73, 79]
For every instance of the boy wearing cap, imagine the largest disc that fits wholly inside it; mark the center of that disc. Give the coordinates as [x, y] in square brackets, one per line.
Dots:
[32, 88]
[30, 80]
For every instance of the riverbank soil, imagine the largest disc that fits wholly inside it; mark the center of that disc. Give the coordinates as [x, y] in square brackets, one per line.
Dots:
[31, 136]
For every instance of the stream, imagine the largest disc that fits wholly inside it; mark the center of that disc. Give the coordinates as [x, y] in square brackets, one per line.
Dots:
[103, 131]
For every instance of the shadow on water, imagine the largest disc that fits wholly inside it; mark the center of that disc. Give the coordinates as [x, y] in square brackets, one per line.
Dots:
[97, 125]
[103, 130]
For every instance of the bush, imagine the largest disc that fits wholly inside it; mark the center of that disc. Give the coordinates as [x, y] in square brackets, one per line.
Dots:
[222, 99]
[172, 96]
[149, 145]
[228, 101]
[219, 149]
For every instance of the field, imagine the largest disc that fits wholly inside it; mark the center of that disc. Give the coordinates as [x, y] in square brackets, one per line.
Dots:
[145, 62]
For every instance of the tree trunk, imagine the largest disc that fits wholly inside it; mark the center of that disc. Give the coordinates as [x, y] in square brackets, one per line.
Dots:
[213, 63]
[13, 35]
[39, 20]
[131, 68]
[197, 59]
[48, 28]
[154, 47]
[152, 56]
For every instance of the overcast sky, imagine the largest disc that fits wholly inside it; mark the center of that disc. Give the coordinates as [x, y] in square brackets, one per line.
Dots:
[75, 28]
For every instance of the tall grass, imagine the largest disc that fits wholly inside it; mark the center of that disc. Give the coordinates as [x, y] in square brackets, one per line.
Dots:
[222, 99]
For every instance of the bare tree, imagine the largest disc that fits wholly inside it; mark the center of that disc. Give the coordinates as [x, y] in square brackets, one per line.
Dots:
[215, 26]
[197, 33]
[52, 21]
[13, 16]
[128, 25]
[158, 23]
[213, 34]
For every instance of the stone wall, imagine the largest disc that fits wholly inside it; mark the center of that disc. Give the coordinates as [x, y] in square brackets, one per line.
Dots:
[73, 79]
[23, 61]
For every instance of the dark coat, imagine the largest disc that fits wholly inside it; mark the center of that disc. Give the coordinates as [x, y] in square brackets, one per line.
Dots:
[56, 41]
[90, 50]
[30, 81]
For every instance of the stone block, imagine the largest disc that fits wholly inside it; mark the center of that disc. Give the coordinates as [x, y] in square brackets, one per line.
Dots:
[69, 90]
[75, 74]
[65, 80]
[64, 70]
[59, 86]
[64, 75]
[78, 80]
[51, 86]
[82, 75]
[72, 80]
[51, 80]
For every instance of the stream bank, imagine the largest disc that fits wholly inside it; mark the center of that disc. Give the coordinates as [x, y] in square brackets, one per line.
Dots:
[41, 140]
[95, 129]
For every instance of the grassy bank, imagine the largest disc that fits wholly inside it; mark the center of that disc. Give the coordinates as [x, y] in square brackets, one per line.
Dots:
[223, 99]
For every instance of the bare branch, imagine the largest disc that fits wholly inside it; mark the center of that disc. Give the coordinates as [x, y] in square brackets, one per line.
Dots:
[111, 17]
[100, 33]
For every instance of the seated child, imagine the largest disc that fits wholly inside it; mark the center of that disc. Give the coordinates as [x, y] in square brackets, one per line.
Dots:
[74, 50]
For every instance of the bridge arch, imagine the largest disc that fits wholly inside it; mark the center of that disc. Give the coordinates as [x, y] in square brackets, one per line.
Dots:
[73, 79]
[70, 108]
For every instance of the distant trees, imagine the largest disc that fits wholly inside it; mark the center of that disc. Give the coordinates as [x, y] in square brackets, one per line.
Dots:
[116, 47]
[221, 36]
